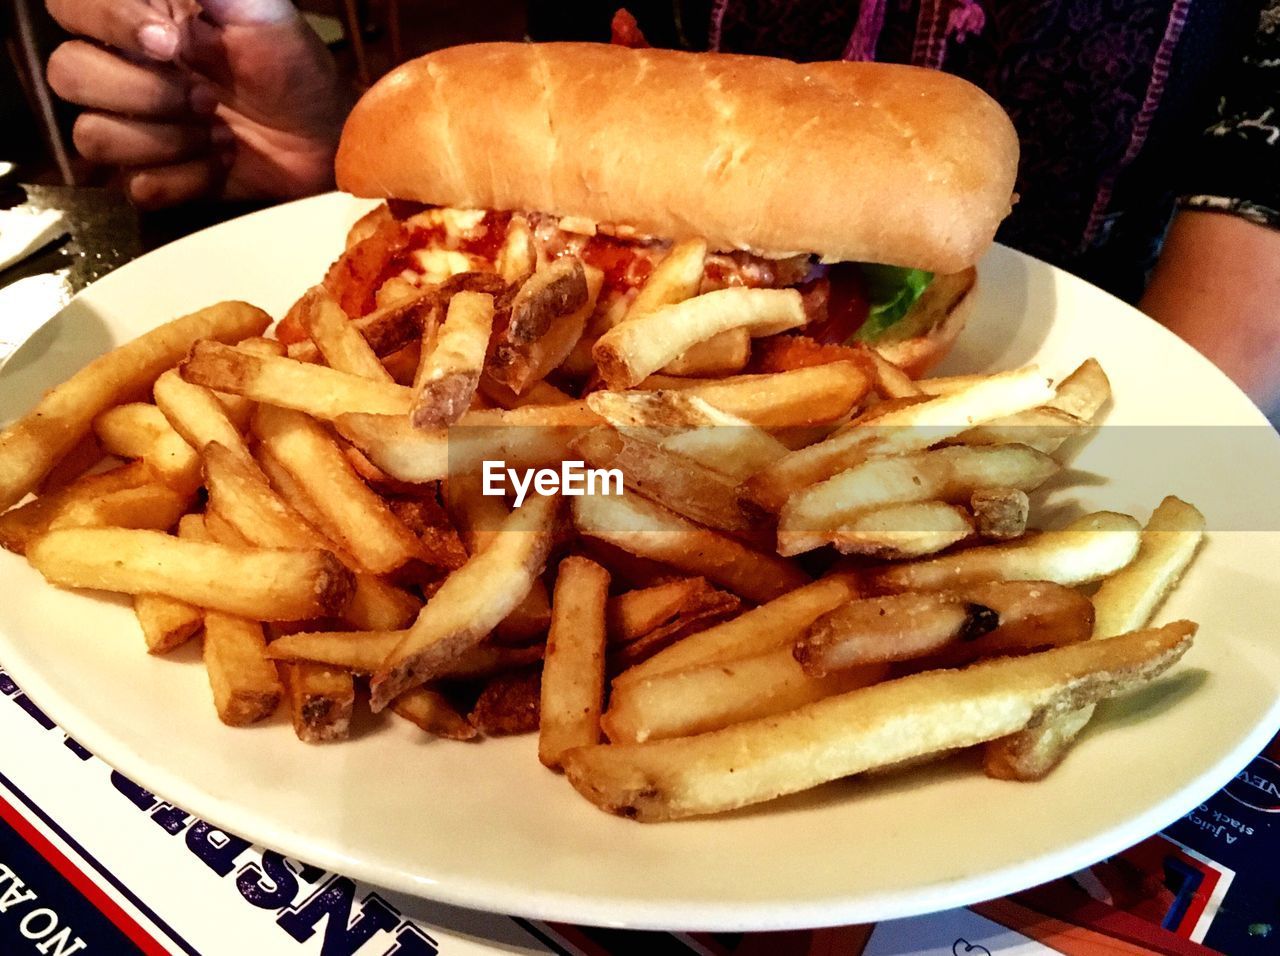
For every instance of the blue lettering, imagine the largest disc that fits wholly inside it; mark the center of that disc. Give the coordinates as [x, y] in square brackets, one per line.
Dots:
[76, 749]
[215, 848]
[269, 886]
[411, 941]
[142, 799]
[333, 902]
[171, 819]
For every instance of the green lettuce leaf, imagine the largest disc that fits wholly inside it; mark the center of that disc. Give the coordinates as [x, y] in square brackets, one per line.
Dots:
[892, 291]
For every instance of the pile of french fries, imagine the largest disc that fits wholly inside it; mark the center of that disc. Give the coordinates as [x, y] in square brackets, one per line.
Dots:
[818, 567]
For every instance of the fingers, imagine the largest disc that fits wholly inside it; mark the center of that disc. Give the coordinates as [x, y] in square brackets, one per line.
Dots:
[90, 76]
[113, 140]
[129, 25]
[170, 185]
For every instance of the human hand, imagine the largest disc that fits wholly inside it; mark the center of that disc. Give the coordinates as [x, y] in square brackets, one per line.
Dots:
[235, 99]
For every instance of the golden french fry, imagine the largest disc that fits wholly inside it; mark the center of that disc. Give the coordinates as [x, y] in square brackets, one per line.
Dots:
[508, 703]
[1043, 429]
[810, 516]
[517, 258]
[321, 392]
[891, 381]
[255, 583]
[337, 338]
[353, 514]
[778, 623]
[681, 484]
[1124, 602]
[364, 651]
[894, 532]
[471, 602]
[725, 354]
[1000, 513]
[705, 698]
[167, 622]
[905, 429]
[34, 443]
[630, 352]
[525, 355]
[432, 712]
[321, 700]
[246, 687]
[138, 430]
[636, 613]
[573, 671]
[450, 371]
[1088, 549]
[197, 415]
[950, 628]
[397, 322]
[649, 530]
[676, 278]
[1082, 393]
[864, 729]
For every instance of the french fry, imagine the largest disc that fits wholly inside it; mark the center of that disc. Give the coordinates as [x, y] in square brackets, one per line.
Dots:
[651, 531]
[196, 414]
[1082, 393]
[891, 381]
[528, 620]
[254, 583]
[701, 699]
[681, 484]
[81, 459]
[864, 729]
[897, 532]
[238, 408]
[776, 624]
[432, 712]
[536, 393]
[638, 612]
[1043, 429]
[321, 700]
[779, 400]
[572, 693]
[34, 443]
[676, 278]
[532, 436]
[166, 622]
[388, 329]
[321, 392]
[905, 429]
[364, 651]
[128, 496]
[337, 338]
[1000, 513]
[139, 430]
[1125, 601]
[450, 371]
[524, 355]
[962, 625]
[471, 602]
[508, 703]
[725, 354]
[1088, 549]
[291, 491]
[517, 258]
[809, 517]
[246, 687]
[360, 520]
[439, 543]
[639, 346]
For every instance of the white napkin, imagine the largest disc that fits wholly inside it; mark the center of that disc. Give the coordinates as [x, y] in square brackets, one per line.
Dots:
[24, 231]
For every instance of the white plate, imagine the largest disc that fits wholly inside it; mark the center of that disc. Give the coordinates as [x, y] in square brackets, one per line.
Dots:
[486, 826]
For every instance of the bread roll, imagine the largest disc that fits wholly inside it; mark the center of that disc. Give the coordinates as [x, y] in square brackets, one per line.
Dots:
[853, 161]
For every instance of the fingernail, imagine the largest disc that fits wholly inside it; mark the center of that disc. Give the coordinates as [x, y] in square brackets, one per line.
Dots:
[203, 100]
[158, 40]
[222, 136]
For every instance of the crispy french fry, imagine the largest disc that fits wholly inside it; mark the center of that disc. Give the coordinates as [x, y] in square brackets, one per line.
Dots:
[676, 278]
[238, 408]
[1088, 549]
[321, 392]
[128, 496]
[1043, 429]
[1124, 602]
[196, 414]
[34, 443]
[651, 531]
[700, 699]
[779, 400]
[471, 602]
[725, 354]
[167, 622]
[517, 258]
[810, 516]
[432, 712]
[337, 338]
[364, 651]
[891, 381]
[254, 583]
[439, 543]
[1000, 513]
[537, 393]
[532, 436]
[524, 356]
[638, 612]
[396, 323]
[246, 687]
[353, 514]
[864, 729]
[778, 623]
[84, 455]
[633, 350]
[321, 700]
[905, 429]
[138, 430]
[949, 628]
[1082, 393]
[681, 484]
[896, 532]
[572, 693]
[508, 703]
[450, 371]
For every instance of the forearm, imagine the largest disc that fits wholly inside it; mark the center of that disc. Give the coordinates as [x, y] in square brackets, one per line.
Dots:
[1217, 285]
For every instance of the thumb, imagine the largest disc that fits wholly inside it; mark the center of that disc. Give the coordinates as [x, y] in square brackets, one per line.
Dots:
[249, 12]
